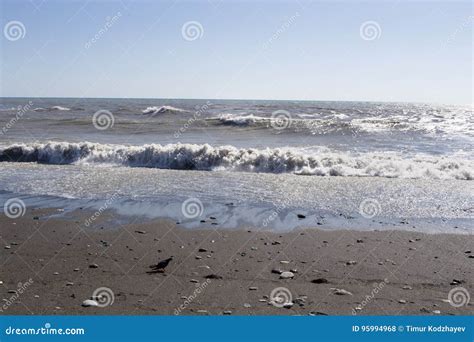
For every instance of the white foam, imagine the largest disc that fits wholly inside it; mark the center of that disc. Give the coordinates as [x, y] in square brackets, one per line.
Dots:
[162, 110]
[270, 160]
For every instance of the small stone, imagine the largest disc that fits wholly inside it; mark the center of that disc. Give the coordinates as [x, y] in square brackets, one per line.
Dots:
[8, 247]
[341, 292]
[351, 262]
[69, 283]
[407, 287]
[277, 271]
[286, 275]
[93, 266]
[284, 262]
[436, 312]
[253, 248]
[276, 243]
[301, 216]
[456, 282]
[227, 312]
[202, 250]
[89, 302]
[253, 288]
[213, 276]
[76, 270]
[202, 311]
[402, 301]
[36, 296]
[247, 305]
[320, 281]
[198, 257]
[194, 281]
[288, 305]
[56, 273]
[11, 291]
[360, 241]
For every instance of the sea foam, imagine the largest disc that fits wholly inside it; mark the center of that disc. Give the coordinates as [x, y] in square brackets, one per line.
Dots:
[229, 158]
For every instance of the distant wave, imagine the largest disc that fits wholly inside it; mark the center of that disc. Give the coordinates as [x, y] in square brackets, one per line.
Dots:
[240, 120]
[162, 110]
[275, 160]
[60, 108]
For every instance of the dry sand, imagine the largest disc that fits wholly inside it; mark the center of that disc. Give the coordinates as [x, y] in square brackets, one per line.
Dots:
[386, 272]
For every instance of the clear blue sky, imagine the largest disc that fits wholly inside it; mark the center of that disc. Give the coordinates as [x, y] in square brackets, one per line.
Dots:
[424, 52]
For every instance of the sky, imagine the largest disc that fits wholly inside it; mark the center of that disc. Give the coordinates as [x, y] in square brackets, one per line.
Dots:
[284, 50]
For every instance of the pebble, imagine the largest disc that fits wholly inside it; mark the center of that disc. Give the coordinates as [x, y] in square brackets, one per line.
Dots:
[89, 302]
[202, 250]
[69, 283]
[284, 262]
[202, 311]
[56, 273]
[247, 305]
[320, 281]
[197, 257]
[288, 305]
[286, 275]
[277, 271]
[301, 216]
[76, 270]
[360, 241]
[227, 312]
[11, 291]
[93, 266]
[402, 301]
[276, 243]
[8, 247]
[341, 292]
[456, 282]
[194, 281]
[213, 276]
[407, 287]
[253, 288]
[437, 312]
[351, 262]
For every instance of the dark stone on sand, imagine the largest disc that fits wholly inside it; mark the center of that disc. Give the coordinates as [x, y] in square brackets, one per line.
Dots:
[212, 218]
[36, 218]
[276, 271]
[320, 281]
[140, 231]
[301, 216]
[202, 250]
[456, 282]
[203, 221]
[360, 241]
[318, 313]
[93, 266]
[213, 276]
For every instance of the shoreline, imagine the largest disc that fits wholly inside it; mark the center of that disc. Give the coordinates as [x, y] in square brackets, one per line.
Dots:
[227, 271]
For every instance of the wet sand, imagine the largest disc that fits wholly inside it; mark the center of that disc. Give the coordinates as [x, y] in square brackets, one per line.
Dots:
[215, 271]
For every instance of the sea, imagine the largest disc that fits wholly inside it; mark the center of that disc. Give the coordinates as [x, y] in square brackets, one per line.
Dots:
[274, 165]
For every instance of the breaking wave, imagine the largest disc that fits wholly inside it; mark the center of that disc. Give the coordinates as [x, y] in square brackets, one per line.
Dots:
[162, 110]
[270, 160]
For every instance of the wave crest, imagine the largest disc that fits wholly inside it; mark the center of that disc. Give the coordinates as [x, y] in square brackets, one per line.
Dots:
[276, 160]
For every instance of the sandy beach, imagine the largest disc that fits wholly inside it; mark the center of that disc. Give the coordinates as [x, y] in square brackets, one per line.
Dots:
[214, 271]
